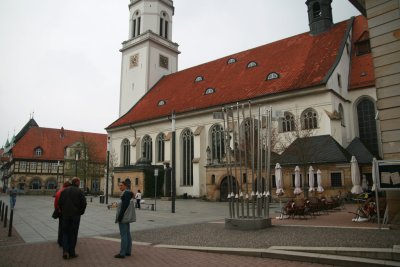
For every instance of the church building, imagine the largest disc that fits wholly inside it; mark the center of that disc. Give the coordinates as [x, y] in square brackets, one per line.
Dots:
[320, 82]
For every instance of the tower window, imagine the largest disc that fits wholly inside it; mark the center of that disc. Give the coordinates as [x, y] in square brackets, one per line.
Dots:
[339, 80]
[252, 64]
[363, 47]
[316, 10]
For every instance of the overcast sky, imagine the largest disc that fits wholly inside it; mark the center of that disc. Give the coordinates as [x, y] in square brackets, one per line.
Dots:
[60, 60]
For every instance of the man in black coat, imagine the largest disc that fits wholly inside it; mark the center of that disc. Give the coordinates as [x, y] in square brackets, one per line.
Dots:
[72, 204]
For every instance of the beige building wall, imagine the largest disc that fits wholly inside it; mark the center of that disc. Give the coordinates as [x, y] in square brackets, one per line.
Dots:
[384, 28]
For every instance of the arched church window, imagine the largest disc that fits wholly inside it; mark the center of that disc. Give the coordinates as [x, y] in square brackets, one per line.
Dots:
[136, 21]
[126, 152]
[147, 147]
[187, 153]
[341, 114]
[164, 24]
[217, 143]
[288, 123]
[309, 119]
[160, 147]
[367, 125]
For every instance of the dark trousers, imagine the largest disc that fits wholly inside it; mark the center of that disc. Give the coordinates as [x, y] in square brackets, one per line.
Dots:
[70, 227]
[138, 203]
[60, 231]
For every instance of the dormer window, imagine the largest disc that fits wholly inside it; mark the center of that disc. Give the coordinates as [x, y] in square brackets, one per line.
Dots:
[232, 60]
[161, 103]
[38, 152]
[209, 91]
[363, 47]
[252, 64]
[199, 79]
[272, 76]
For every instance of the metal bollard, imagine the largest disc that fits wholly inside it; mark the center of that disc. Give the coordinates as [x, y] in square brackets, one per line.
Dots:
[11, 221]
[5, 217]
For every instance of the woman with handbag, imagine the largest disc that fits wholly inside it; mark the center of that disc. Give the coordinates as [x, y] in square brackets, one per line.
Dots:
[57, 212]
[124, 211]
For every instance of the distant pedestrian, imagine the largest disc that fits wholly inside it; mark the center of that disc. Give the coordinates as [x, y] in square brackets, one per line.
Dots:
[56, 207]
[138, 198]
[13, 196]
[124, 228]
[72, 204]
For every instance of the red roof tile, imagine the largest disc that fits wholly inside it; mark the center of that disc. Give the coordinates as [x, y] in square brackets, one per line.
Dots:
[362, 68]
[302, 61]
[53, 144]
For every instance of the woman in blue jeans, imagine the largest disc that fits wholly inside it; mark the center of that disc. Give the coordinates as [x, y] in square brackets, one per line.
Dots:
[124, 228]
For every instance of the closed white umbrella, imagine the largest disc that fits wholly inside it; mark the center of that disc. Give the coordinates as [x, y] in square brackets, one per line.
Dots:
[364, 184]
[320, 189]
[311, 179]
[297, 189]
[278, 179]
[355, 176]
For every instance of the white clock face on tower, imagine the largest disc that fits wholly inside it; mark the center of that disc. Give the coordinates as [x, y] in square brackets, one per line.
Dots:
[134, 61]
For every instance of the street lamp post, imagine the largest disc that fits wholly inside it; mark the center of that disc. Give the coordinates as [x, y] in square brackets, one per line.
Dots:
[76, 164]
[155, 188]
[108, 166]
[173, 176]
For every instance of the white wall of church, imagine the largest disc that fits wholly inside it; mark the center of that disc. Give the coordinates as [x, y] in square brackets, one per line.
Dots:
[133, 79]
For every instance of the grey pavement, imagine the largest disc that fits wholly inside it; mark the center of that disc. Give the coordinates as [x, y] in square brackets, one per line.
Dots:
[198, 227]
[32, 216]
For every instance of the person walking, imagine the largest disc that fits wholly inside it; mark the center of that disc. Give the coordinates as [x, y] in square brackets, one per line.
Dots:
[13, 196]
[72, 204]
[124, 228]
[56, 207]
[138, 198]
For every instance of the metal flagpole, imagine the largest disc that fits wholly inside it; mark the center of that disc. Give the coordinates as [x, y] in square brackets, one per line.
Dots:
[252, 164]
[245, 161]
[224, 113]
[240, 160]
[173, 165]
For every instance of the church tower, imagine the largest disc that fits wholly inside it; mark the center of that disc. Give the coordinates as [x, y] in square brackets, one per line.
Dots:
[149, 53]
[319, 15]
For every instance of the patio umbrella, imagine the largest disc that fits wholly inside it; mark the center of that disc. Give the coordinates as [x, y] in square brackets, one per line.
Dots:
[320, 189]
[297, 189]
[355, 176]
[311, 179]
[278, 179]
[364, 184]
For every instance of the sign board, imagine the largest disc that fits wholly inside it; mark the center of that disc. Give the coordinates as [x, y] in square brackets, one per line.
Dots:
[155, 172]
[387, 173]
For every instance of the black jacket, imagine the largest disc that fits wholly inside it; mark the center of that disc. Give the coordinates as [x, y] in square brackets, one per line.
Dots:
[72, 201]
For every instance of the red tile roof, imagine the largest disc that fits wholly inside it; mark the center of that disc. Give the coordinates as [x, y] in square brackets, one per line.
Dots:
[53, 144]
[362, 68]
[302, 61]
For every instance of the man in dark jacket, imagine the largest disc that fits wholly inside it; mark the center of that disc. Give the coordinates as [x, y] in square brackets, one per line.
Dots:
[72, 204]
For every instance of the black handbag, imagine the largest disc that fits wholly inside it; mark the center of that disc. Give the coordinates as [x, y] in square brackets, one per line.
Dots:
[55, 214]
